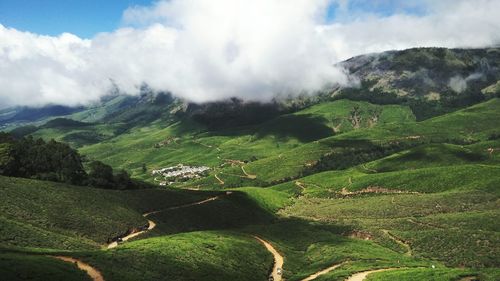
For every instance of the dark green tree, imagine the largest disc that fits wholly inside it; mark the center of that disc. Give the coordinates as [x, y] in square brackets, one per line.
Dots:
[101, 175]
[122, 180]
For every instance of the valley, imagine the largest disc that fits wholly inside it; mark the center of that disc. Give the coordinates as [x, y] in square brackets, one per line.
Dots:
[339, 188]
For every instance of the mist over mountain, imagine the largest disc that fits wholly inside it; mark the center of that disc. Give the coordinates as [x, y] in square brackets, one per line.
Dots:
[426, 79]
[206, 52]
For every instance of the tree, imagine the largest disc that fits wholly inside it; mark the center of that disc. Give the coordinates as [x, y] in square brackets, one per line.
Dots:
[101, 175]
[55, 161]
[122, 180]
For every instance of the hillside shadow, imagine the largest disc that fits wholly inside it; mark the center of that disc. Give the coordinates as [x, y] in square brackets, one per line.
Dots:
[300, 233]
[228, 212]
[304, 127]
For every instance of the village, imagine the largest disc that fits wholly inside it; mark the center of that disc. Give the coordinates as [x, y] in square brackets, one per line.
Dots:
[180, 172]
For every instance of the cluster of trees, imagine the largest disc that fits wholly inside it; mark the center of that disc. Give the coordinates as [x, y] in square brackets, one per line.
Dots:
[28, 157]
[101, 175]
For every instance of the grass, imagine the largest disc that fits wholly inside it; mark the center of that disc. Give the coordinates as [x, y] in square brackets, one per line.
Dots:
[418, 220]
[432, 155]
[73, 213]
[18, 234]
[17, 267]
[228, 212]
[444, 214]
[438, 274]
[200, 256]
[310, 247]
[267, 198]
[424, 180]
[197, 146]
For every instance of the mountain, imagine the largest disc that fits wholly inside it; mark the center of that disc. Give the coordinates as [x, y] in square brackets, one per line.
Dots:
[432, 81]
[26, 114]
[384, 180]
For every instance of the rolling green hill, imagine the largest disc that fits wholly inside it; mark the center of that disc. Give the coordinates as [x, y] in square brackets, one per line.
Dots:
[51, 215]
[394, 176]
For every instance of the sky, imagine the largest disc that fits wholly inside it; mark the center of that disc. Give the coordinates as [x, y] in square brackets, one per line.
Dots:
[73, 52]
[84, 18]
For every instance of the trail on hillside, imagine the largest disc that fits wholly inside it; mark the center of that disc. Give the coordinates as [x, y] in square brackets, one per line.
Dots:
[278, 259]
[300, 185]
[185, 205]
[399, 241]
[425, 224]
[152, 224]
[322, 272]
[368, 169]
[360, 276]
[220, 181]
[91, 271]
[250, 176]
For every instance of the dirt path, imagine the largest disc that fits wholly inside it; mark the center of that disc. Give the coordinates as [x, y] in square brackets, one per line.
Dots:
[425, 224]
[368, 169]
[250, 176]
[300, 185]
[202, 144]
[324, 271]
[184, 206]
[360, 276]
[399, 241]
[278, 259]
[220, 181]
[91, 271]
[152, 224]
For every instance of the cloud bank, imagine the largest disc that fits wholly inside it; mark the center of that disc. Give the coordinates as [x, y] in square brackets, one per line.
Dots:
[211, 50]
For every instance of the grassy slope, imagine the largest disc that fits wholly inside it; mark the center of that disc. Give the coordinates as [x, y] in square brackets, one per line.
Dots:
[309, 247]
[198, 147]
[17, 267]
[231, 211]
[32, 208]
[452, 221]
[430, 274]
[187, 256]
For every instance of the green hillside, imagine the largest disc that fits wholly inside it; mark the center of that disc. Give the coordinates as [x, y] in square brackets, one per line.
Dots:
[348, 185]
[187, 256]
[51, 215]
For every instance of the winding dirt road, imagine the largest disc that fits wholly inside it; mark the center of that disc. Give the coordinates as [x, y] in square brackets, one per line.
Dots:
[324, 271]
[250, 176]
[91, 271]
[360, 276]
[152, 224]
[278, 259]
[221, 182]
[300, 185]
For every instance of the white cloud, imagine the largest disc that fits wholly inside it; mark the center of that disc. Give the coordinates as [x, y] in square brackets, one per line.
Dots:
[459, 84]
[208, 50]
[458, 23]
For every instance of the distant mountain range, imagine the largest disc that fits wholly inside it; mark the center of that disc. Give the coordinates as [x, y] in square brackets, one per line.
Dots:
[432, 81]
